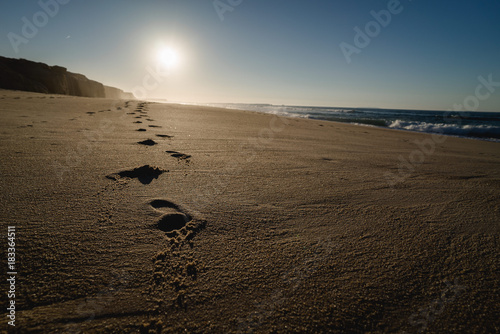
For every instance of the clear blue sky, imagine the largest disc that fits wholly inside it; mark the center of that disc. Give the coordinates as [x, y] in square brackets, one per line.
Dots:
[273, 51]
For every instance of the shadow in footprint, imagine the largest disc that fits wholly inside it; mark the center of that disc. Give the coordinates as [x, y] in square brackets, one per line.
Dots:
[142, 130]
[175, 221]
[170, 222]
[145, 174]
[178, 155]
[161, 203]
[173, 217]
[154, 126]
[147, 142]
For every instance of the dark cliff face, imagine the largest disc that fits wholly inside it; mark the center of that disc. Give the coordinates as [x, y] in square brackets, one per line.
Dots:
[21, 74]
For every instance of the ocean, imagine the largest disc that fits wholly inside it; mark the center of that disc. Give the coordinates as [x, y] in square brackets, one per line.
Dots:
[475, 125]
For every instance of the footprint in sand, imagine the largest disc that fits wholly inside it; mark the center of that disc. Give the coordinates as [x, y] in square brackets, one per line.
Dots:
[175, 221]
[164, 136]
[137, 122]
[178, 155]
[142, 130]
[145, 174]
[147, 142]
[173, 218]
[154, 126]
[173, 265]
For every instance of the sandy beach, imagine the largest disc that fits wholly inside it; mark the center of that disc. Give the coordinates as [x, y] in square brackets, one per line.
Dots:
[143, 217]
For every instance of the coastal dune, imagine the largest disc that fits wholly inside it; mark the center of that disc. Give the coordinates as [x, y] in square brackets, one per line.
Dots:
[134, 216]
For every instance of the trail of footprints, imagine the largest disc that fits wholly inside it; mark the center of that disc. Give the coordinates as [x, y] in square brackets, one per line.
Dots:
[141, 109]
[174, 267]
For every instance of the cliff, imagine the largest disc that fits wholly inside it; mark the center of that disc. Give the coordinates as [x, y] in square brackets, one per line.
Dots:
[21, 74]
[115, 93]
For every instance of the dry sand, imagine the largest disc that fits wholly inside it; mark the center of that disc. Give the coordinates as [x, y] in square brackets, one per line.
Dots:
[234, 221]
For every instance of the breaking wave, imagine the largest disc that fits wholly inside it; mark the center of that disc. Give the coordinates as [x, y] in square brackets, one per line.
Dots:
[477, 131]
[477, 125]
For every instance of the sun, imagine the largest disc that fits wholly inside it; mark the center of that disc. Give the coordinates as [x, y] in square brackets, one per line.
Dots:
[167, 57]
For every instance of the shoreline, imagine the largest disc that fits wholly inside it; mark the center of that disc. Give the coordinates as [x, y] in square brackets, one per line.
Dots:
[361, 122]
[213, 105]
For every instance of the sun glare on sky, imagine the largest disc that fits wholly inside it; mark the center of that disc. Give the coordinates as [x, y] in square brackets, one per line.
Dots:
[167, 57]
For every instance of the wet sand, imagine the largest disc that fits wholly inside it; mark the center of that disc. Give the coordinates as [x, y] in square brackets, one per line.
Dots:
[214, 220]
